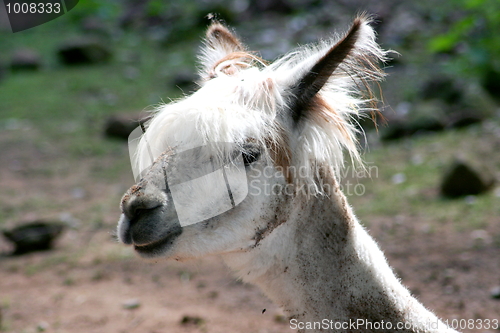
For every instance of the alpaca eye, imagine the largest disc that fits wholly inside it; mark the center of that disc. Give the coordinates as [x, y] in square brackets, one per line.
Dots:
[251, 154]
[249, 158]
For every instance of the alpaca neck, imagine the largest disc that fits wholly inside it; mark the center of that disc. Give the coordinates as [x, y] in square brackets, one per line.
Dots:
[322, 265]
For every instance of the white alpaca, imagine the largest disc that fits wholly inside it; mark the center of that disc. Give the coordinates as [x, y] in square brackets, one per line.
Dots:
[293, 233]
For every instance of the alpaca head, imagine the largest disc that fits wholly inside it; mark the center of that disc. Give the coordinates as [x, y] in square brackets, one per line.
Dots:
[215, 167]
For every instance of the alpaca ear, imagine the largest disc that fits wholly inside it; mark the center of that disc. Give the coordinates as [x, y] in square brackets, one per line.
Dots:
[310, 83]
[222, 53]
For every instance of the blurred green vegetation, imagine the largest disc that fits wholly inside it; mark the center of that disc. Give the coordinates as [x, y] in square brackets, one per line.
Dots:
[106, 10]
[61, 101]
[471, 40]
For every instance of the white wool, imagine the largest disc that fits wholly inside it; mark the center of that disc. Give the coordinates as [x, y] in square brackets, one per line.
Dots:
[251, 104]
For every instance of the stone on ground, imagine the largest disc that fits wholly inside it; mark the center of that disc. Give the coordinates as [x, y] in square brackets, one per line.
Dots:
[462, 179]
[83, 51]
[25, 60]
[120, 126]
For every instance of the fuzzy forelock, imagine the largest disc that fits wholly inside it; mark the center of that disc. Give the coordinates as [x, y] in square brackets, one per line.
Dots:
[250, 103]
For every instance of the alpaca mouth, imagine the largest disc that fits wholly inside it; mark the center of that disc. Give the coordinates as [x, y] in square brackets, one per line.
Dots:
[158, 247]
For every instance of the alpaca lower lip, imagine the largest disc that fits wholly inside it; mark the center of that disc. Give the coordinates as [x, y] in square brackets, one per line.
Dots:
[157, 247]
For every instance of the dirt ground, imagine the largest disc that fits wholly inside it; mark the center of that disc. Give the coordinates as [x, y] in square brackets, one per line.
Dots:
[133, 296]
[106, 288]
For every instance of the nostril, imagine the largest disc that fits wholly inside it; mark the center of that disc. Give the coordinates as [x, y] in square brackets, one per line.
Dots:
[141, 211]
[136, 206]
[136, 211]
[141, 199]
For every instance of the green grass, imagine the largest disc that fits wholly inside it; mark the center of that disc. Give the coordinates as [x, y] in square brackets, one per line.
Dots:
[65, 102]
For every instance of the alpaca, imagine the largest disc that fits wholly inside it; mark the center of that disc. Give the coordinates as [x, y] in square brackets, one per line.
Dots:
[273, 137]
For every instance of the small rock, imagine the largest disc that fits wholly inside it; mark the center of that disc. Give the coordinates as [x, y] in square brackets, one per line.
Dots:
[131, 304]
[495, 292]
[192, 320]
[398, 178]
[83, 52]
[491, 81]
[42, 326]
[35, 236]
[480, 238]
[461, 179]
[25, 60]
[120, 126]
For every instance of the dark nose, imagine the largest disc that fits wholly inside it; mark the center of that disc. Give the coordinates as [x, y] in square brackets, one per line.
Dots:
[148, 215]
[140, 199]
